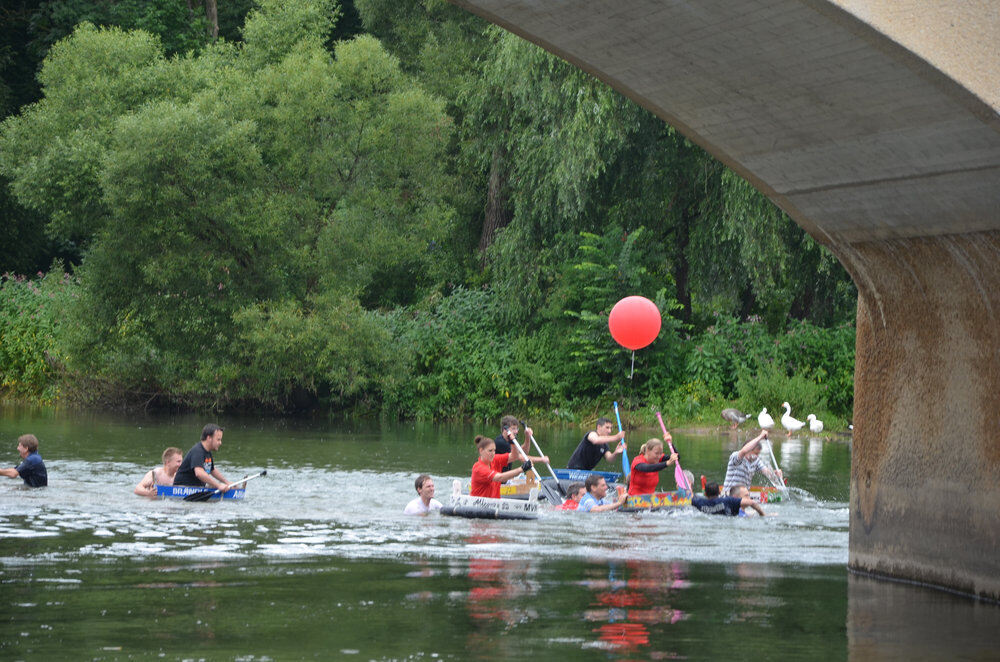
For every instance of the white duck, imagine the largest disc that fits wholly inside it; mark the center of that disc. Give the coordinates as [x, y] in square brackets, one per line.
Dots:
[764, 420]
[815, 425]
[793, 425]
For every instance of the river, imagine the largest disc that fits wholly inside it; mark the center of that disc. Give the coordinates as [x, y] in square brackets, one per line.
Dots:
[318, 561]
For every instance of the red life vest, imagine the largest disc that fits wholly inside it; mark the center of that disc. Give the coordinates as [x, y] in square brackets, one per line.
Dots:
[642, 482]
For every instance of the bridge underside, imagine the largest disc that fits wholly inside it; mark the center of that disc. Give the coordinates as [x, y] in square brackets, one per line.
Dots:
[875, 126]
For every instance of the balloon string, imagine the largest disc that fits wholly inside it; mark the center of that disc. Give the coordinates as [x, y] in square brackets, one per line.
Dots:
[632, 369]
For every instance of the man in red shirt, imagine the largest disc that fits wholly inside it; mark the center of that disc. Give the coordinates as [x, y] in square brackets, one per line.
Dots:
[487, 472]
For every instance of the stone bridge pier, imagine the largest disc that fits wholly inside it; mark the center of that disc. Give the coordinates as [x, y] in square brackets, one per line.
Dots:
[874, 124]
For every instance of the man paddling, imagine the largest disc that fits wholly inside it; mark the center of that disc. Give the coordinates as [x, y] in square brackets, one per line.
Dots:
[745, 462]
[172, 458]
[508, 431]
[595, 446]
[198, 468]
[32, 469]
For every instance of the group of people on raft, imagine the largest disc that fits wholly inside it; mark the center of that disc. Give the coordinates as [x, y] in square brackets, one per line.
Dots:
[496, 455]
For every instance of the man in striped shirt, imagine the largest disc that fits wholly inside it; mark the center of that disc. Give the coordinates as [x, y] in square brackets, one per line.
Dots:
[745, 462]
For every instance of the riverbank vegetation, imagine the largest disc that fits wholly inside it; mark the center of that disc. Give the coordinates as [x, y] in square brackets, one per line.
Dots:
[380, 208]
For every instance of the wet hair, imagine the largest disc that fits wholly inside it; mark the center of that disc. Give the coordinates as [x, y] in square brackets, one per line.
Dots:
[574, 488]
[711, 490]
[592, 481]
[508, 421]
[735, 489]
[29, 441]
[172, 451]
[419, 482]
[603, 421]
[482, 442]
[210, 430]
[757, 448]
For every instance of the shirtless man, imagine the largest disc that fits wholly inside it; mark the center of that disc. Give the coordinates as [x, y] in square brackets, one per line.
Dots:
[160, 475]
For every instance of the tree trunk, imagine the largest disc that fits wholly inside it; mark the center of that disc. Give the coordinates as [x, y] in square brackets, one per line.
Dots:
[682, 266]
[212, 14]
[497, 213]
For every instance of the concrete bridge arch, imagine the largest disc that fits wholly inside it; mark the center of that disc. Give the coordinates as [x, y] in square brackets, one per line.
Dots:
[875, 124]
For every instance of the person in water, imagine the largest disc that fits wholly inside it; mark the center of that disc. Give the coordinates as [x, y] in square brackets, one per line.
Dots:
[574, 493]
[424, 502]
[596, 500]
[745, 462]
[32, 469]
[647, 465]
[713, 504]
[488, 471]
[594, 446]
[198, 467]
[164, 475]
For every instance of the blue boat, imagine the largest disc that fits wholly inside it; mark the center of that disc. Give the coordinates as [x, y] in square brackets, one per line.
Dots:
[580, 475]
[181, 491]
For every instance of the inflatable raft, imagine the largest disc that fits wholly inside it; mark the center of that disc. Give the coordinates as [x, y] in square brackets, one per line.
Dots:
[464, 505]
[181, 491]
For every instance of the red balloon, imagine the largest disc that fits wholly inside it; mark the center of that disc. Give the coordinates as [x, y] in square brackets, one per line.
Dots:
[634, 322]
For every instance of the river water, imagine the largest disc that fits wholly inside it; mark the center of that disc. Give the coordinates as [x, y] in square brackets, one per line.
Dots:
[318, 561]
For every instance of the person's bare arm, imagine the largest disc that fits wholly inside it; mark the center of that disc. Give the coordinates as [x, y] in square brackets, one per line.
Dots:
[214, 480]
[507, 475]
[597, 439]
[749, 446]
[146, 486]
[747, 502]
[10, 473]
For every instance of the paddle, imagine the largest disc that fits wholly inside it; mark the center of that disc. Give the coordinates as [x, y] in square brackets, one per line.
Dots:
[679, 477]
[205, 496]
[538, 449]
[626, 468]
[780, 482]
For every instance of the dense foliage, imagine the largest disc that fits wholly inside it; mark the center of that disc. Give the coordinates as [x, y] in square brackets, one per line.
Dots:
[431, 218]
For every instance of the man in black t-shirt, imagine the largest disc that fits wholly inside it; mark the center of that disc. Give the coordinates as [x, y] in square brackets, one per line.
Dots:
[198, 468]
[595, 446]
[508, 430]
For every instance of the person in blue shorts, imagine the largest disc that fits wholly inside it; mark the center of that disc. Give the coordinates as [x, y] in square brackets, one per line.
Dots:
[713, 504]
[32, 469]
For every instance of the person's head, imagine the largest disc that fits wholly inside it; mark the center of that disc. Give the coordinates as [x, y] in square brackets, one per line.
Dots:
[425, 487]
[575, 491]
[653, 450]
[487, 448]
[711, 490]
[211, 436]
[27, 444]
[509, 426]
[172, 458]
[739, 491]
[605, 427]
[754, 451]
[596, 485]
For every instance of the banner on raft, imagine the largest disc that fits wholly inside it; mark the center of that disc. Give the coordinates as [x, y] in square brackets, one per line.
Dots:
[181, 491]
[656, 501]
[766, 494]
[580, 475]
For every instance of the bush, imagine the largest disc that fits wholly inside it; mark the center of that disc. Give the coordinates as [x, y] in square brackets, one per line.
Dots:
[31, 314]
